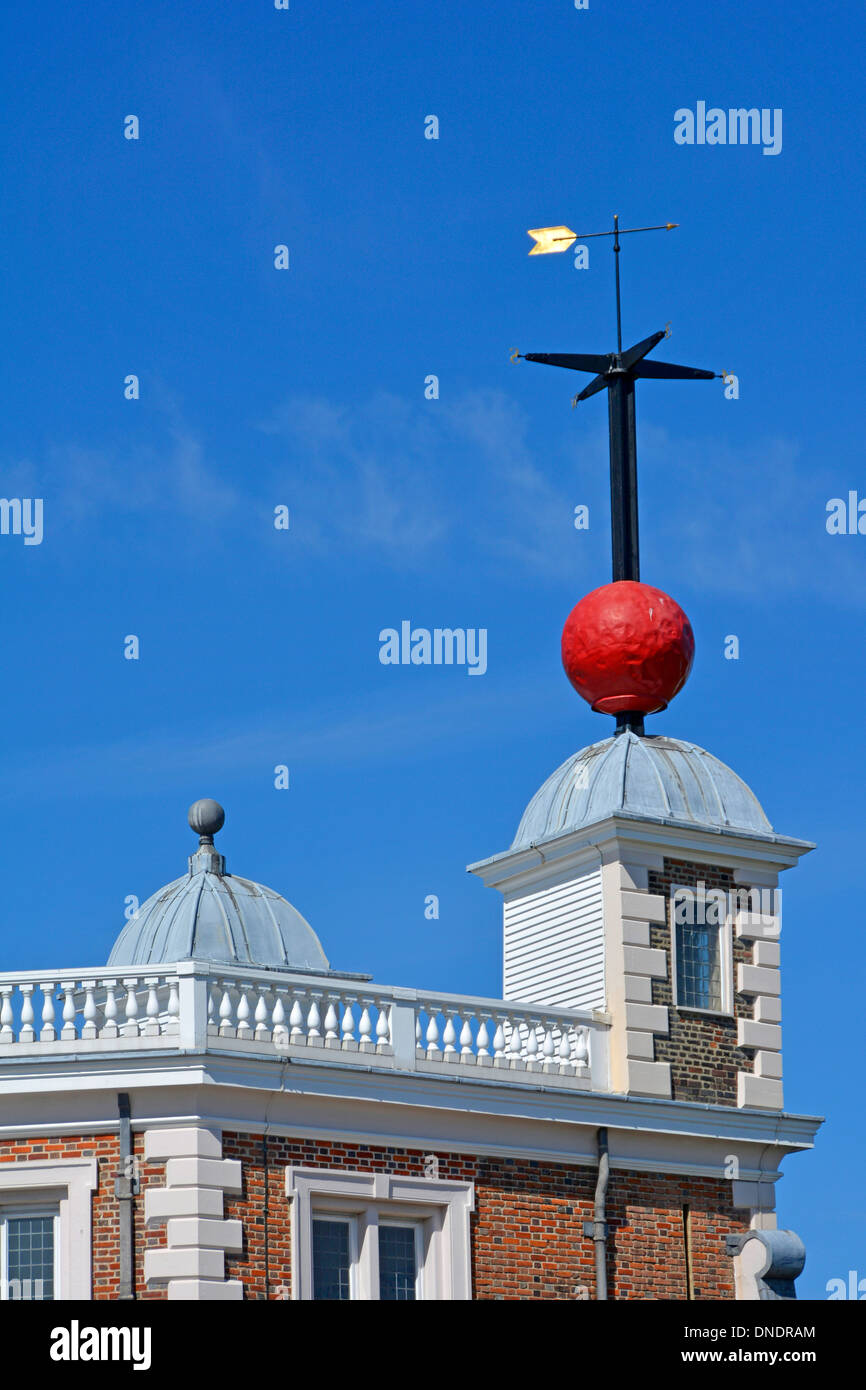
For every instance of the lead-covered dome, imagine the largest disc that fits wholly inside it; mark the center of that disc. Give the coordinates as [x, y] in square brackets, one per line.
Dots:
[211, 915]
[650, 777]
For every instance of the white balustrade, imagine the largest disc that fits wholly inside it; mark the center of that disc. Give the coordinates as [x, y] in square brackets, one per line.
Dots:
[328, 1020]
[76, 1012]
[522, 1040]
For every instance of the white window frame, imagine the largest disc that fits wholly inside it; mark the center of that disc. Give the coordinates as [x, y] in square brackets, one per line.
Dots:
[398, 1218]
[726, 961]
[439, 1208]
[65, 1185]
[13, 1211]
[347, 1219]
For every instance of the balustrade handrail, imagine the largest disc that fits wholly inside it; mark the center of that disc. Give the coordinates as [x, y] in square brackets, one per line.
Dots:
[344, 984]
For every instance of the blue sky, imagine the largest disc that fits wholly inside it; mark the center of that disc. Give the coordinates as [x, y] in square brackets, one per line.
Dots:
[306, 388]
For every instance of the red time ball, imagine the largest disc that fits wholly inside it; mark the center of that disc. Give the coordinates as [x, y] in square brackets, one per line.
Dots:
[627, 646]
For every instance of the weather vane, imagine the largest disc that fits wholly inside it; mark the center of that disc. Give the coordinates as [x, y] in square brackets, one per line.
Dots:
[616, 371]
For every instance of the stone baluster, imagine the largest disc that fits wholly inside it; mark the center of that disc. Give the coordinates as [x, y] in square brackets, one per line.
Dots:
[261, 1017]
[296, 1023]
[433, 1051]
[28, 1033]
[348, 1028]
[483, 1057]
[47, 1032]
[449, 1037]
[467, 1051]
[419, 1037]
[332, 1024]
[548, 1050]
[172, 1024]
[499, 1057]
[565, 1067]
[581, 1050]
[68, 1030]
[314, 1022]
[244, 1029]
[365, 1028]
[109, 1028]
[150, 1025]
[130, 1028]
[278, 1020]
[532, 1062]
[7, 1034]
[213, 1004]
[383, 1028]
[515, 1048]
[226, 1013]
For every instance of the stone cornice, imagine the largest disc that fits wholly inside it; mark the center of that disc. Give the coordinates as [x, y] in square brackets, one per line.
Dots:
[579, 847]
[242, 1088]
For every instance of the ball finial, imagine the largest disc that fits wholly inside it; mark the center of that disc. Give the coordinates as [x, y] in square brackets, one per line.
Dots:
[627, 647]
[206, 817]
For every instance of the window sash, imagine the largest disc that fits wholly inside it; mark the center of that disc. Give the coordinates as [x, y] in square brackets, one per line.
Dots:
[363, 1244]
[404, 1289]
[14, 1283]
[702, 965]
[346, 1273]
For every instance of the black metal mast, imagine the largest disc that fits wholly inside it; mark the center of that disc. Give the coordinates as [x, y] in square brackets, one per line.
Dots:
[618, 371]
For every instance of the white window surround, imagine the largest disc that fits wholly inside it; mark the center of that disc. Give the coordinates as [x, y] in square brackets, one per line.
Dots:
[68, 1182]
[726, 959]
[441, 1206]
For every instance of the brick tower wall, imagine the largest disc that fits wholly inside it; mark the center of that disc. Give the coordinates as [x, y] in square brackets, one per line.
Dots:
[702, 1051]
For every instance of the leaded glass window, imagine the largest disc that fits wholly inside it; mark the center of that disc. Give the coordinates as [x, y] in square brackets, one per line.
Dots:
[398, 1263]
[27, 1247]
[699, 967]
[331, 1260]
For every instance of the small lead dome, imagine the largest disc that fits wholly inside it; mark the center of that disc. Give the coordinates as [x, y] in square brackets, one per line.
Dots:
[650, 777]
[210, 915]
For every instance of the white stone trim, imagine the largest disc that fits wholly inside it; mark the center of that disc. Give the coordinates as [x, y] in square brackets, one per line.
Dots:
[768, 1008]
[765, 1035]
[443, 1205]
[191, 1204]
[635, 933]
[766, 953]
[769, 1064]
[641, 960]
[644, 907]
[640, 1046]
[649, 1078]
[638, 989]
[69, 1182]
[757, 979]
[649, 1018]
[763, 1093]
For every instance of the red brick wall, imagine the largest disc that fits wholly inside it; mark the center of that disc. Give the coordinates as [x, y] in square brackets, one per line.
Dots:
[702, 1051]
[527, 1228]
[105, 1238]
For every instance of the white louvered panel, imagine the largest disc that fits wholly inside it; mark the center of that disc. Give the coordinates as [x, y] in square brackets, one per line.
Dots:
[554, 945]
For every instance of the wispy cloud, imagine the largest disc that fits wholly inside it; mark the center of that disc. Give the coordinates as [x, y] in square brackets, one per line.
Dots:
[411, 480]
[412, 485]
[383, 731]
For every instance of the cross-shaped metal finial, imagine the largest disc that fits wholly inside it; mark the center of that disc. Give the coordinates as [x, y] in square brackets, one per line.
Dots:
[616, 371]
